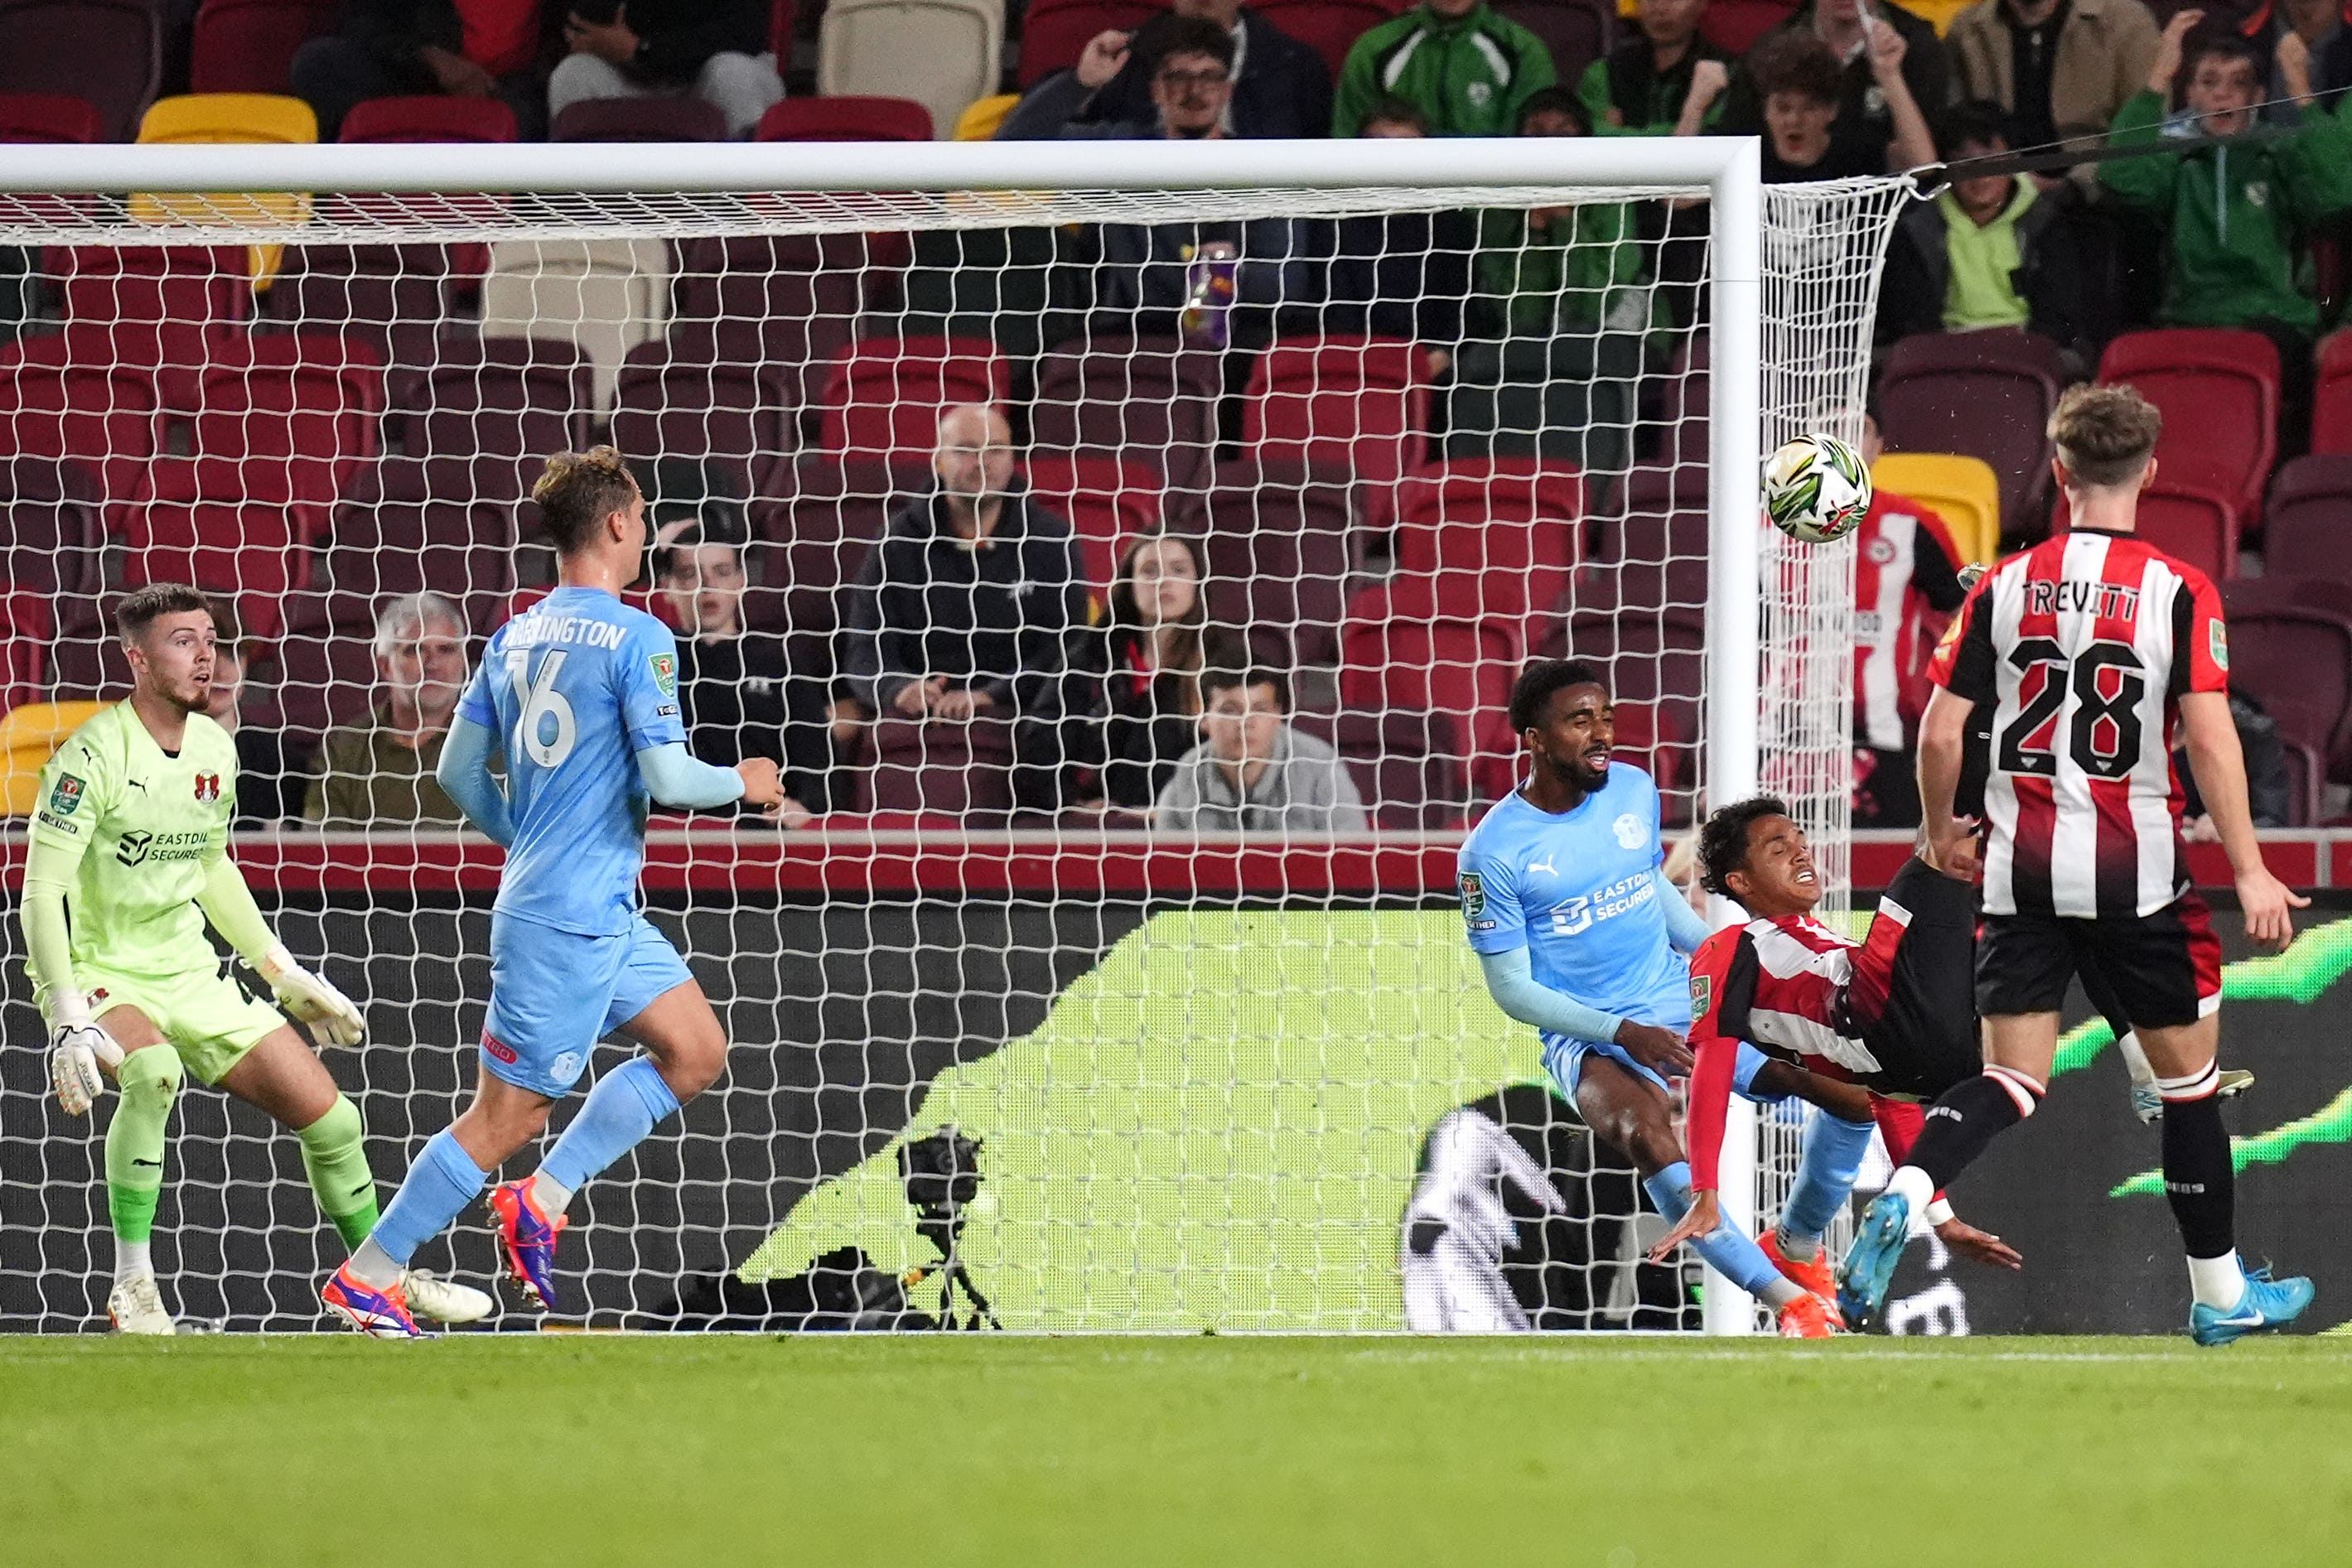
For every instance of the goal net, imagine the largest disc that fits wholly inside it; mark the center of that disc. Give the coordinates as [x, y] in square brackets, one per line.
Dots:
[1116, 977]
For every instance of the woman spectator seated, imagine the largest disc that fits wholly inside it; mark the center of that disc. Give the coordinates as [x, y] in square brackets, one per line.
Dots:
[1155, 645]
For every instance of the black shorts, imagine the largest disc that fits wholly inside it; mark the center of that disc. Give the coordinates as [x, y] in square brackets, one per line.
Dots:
[1911, 999]
[2159, 971]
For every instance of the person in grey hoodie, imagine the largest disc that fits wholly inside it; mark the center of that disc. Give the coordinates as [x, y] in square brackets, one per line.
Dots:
[1252, 773]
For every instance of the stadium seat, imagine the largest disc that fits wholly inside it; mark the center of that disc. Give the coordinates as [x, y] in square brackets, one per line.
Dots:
[497, 406]
[1403, 765]
[214, 117]
[25, 637]
[982, 118]
[69, 395]
[1939, 11]
[1282, 541]
[1054, 33]
[1963, 491]
[1577, 32]
[675, 397]
[1149, 400]
[2195, 523]
[884, 397]
[2297, 662]
[54, 117]
[1988, 394]
[395, 298]
[962, 771]
[2307, 527]
[607, 295]
[1655, 660]
[163, 313]
[2219, 392]
[325, 662]
[206, 523]
[1396, 655]
[297, 418]
[1108, 501]
[1681, 398]
[848, 117]
[429, 118]
[1331, 28]
[1573, 399]
[248, 46]
[29, 737]
[1654, 556]
[54, 530]
[943, 54]
[1735, 26]
[656, 119]
[824, 514]
[1499, 536]
[787, 301]
[2331, 416]
[108, 51]
[1359, 404]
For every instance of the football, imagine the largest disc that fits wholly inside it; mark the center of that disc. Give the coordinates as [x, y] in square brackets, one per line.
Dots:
[1816, 489]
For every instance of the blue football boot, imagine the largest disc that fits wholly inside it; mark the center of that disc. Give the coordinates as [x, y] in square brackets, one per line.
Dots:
[2267, 1304]
[1869, 1266]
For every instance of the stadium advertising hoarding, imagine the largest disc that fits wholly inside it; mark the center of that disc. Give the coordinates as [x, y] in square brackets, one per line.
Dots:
[1275, 1115]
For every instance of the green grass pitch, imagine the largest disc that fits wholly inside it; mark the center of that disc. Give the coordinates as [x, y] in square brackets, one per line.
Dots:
[1615, 1452]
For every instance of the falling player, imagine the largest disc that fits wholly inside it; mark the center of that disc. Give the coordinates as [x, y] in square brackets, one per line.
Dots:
[581, 693]
[127, 864]
[2087, 647]
[1892, 1013]
[1580, 934]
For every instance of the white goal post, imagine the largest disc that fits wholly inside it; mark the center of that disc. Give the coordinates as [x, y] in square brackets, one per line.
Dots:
[1790, 282]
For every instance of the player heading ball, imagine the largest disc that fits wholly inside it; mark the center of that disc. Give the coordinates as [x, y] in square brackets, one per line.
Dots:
[580, 693]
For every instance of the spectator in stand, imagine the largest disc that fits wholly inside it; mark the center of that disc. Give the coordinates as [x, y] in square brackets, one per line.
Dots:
[1643, 85]
[1155, 645]
[1906, 581]
[1557, 271]
[2060, 67]
[973, 607]
[1887, 71]
[2326, 28]
[1281, 88]
[1994, 250]
[1150, 269]
[379, 772]
[1796, 81]
[1403, 275]
[2233, 213]
[2269, 795]
[1251, 772]
[269, 777]
[733, 684]
[715, 50]
[1469, 67]
[464, 48]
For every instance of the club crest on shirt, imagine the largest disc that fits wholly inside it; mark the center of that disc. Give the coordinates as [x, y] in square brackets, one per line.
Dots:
[2217, 643]
[1631, 830]
[1474, 895]
[665, 674]
[208, 788]
[64, 795]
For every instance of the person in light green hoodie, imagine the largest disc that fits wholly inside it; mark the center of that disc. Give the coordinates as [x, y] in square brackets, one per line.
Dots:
[1469, 67]
[2233, 210]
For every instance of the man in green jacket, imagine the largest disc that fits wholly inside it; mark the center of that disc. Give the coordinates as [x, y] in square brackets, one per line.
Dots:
[1468, 68]
[2233, 210]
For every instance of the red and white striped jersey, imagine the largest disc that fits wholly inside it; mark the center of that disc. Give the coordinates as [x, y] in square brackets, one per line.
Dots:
[1904, 566]
[2083, 645]
[1781, 985]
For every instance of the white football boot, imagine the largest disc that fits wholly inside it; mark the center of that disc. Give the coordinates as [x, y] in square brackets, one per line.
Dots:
[445, 1301]
[135, 1306]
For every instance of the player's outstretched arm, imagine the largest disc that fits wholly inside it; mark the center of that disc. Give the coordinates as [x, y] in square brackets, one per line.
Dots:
[312, 999]
[1510, 980]
[2220, 764]
[1685, 927]
[1943, 738]
[76, 1045]
[465, 776]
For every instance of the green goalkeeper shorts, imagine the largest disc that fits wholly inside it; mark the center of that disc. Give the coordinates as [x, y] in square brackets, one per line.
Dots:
[208, 1019]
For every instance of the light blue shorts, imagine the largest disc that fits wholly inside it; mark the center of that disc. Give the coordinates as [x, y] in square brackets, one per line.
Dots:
[1564, 1060]
[554, 994]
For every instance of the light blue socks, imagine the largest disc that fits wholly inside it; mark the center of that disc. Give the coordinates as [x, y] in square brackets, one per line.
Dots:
[621, 1109]
[437, 1188]
[1729, 1253]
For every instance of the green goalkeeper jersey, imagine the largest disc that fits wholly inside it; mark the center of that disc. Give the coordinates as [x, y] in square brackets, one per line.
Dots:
[143, 825]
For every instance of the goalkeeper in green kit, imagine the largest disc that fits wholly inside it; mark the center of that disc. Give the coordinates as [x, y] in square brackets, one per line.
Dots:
[129, 840]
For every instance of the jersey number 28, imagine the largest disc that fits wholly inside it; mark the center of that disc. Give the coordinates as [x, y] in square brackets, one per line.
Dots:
[2029, 743]
[541, 703]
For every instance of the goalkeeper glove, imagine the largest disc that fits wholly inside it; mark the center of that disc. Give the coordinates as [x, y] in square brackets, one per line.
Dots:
[313, 1000]
[77, 1047]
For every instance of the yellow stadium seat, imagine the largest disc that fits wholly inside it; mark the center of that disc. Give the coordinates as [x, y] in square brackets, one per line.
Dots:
[232, 117]
[979, 122]
[1939, 11]
[29, 737]
[1964, 491]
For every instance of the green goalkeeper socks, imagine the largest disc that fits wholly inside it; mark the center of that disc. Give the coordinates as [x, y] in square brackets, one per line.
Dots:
[334, 1154]
[150, 1081]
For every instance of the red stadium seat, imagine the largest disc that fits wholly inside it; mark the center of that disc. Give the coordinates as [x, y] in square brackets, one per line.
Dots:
[1987, 394]
[1506, 527]
[2219, 392]
[1656, 554]
[677, 398]
[108, 51]
[429, 118]
[2307, 526]
[38, 117]
[883, 399]
[1733, 25]
[2191, 522]
[1358, 403]
[1107, 501]
[248, 46]
[1144, 398]
[2331, 416]
[1282, 541]
[962, 771]
[1054, 33]
[25, 633]
[298, 418]
[200, 522]
[1403, 765]
[786, 302]
[1395, 655]
[66, 394]
[1682, 409]
[782, 15]
[168, 311]
[1577, 32]
[500, 404]
[2297, 662]
[822, 514]
[659, 119]
[1331, 28]
[846, 117]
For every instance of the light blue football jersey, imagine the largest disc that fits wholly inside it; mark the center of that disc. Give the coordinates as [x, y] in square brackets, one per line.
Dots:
[574, 687]
[1576, 891]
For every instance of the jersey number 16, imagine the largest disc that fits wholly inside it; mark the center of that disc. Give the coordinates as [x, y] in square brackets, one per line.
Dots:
[541, 701]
